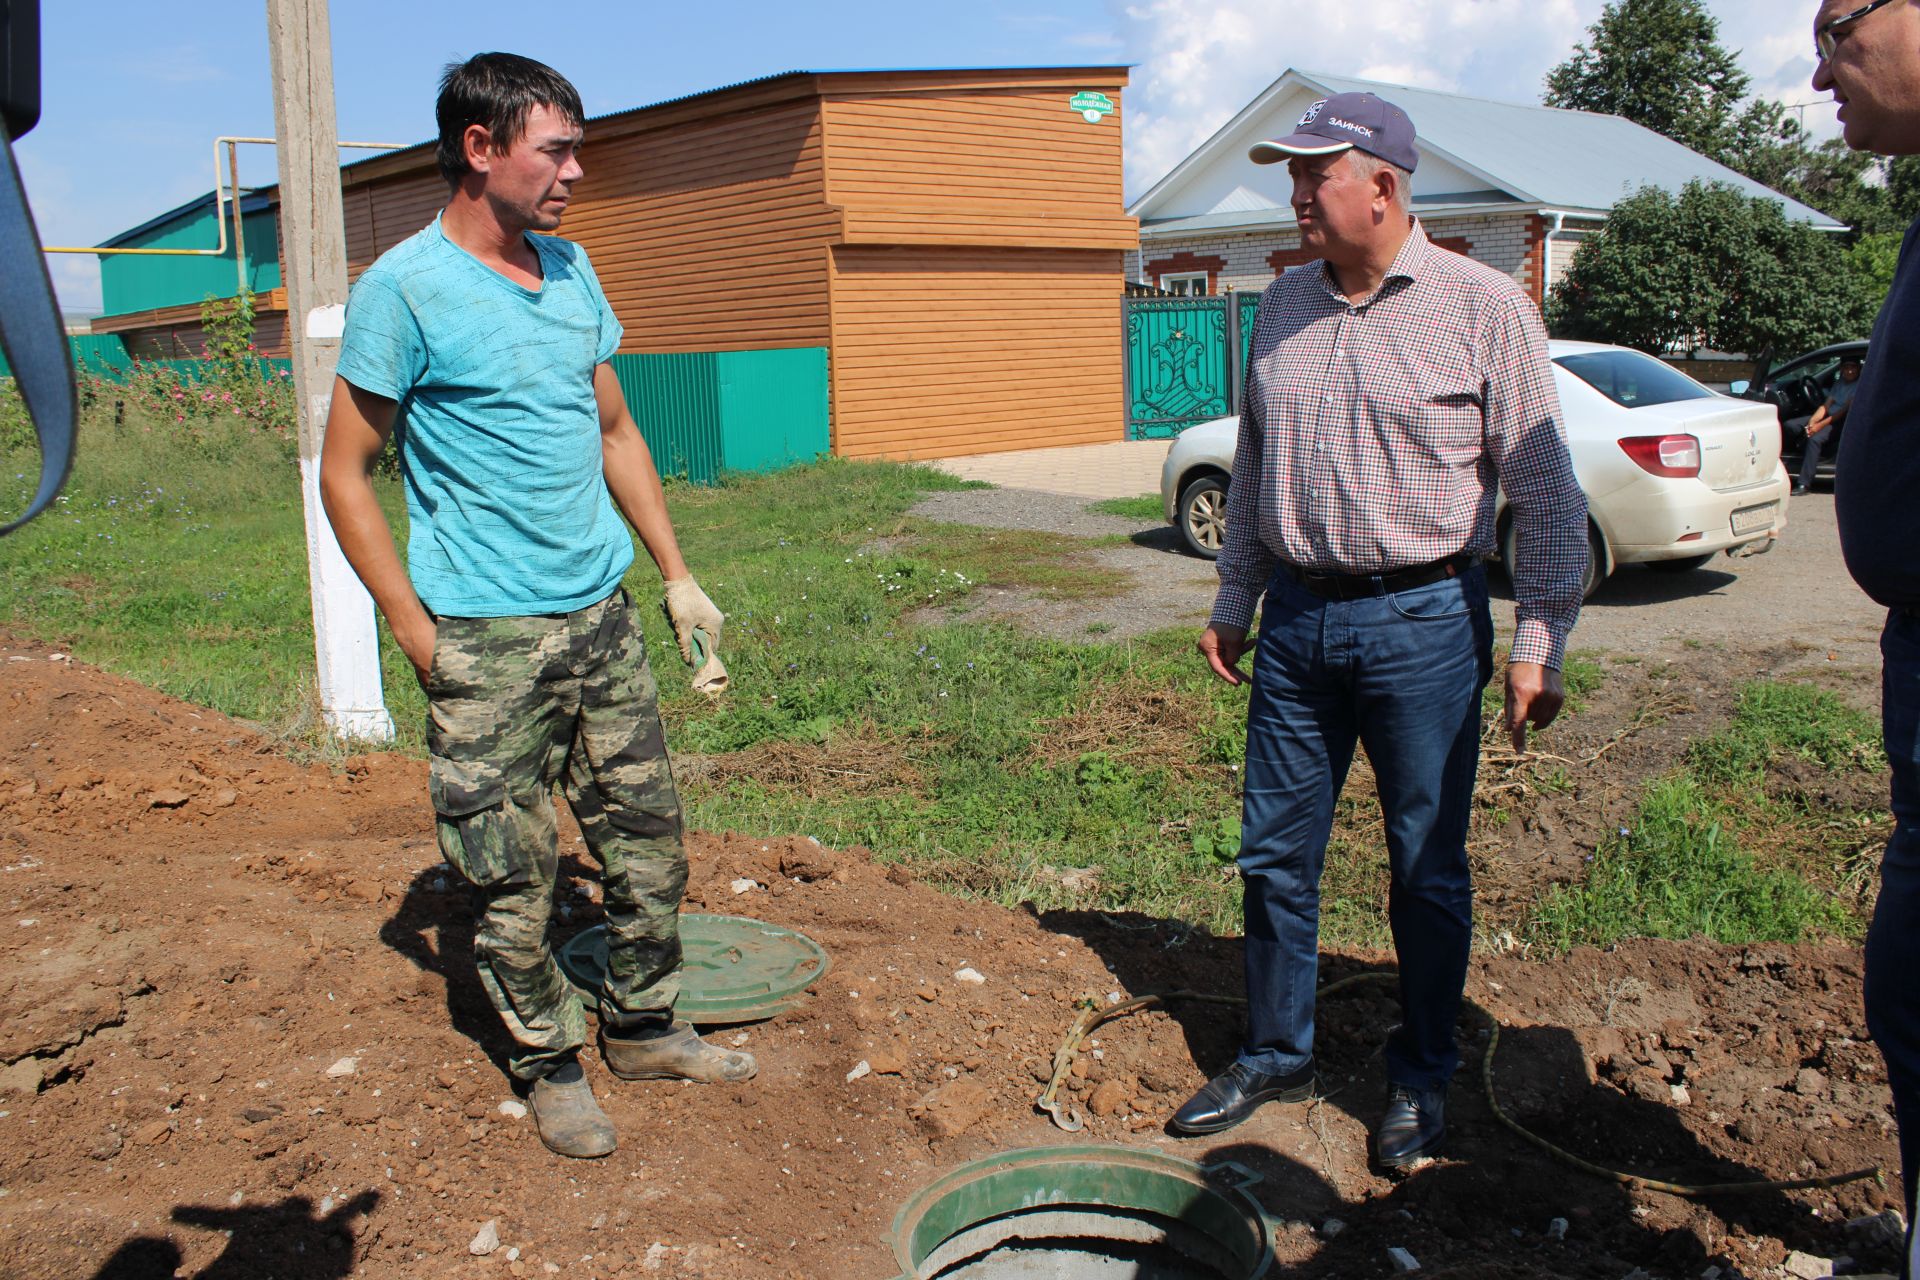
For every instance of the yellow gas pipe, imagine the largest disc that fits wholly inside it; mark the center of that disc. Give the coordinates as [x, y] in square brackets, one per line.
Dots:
[220, 201]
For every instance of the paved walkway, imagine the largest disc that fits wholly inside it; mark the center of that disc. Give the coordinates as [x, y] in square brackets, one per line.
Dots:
[1121, 469]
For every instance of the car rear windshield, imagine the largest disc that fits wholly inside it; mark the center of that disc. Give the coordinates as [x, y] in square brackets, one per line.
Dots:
[1631, 378]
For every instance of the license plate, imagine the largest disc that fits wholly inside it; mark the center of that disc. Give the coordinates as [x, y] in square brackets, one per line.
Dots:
[1748, 519]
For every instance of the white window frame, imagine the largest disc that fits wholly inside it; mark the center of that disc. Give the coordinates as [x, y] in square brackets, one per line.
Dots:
[1195, 283]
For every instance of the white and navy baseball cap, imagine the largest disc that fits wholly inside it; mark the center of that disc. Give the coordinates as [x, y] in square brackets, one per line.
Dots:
[1344, 122]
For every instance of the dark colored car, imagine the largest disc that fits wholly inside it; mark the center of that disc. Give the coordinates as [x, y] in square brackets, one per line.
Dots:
[1795, 388]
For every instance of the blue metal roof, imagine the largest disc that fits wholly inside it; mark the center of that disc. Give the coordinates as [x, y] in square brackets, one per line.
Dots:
[252, 200]
[1562, 159]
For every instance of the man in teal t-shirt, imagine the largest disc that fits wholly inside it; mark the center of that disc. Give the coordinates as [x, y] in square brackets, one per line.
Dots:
[483, 350]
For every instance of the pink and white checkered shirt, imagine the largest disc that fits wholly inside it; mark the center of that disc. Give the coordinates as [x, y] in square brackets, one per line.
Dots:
[1374, 435]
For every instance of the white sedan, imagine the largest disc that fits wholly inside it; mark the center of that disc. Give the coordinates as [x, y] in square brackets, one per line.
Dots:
[1673, 471]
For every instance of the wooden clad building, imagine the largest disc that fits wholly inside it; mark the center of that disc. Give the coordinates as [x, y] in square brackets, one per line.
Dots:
[946, 245]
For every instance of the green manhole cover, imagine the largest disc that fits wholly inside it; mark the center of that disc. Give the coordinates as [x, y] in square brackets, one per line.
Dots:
[1092, 1213]
[736, 970]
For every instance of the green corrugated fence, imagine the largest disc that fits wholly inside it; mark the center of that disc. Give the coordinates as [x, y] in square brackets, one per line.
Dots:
[104, 355]
[703, 413]
[706, 413]
[96, 353]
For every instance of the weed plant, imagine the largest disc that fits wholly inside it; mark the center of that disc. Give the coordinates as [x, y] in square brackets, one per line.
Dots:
[1714, 851]
[1146, 507]
[1678, 872]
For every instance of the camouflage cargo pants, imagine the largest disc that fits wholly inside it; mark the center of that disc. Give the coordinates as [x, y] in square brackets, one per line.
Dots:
[516, 705]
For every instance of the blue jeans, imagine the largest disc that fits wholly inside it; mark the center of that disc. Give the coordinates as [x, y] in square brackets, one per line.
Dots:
[1401, 674]
[1810, 459]
[1893, 943]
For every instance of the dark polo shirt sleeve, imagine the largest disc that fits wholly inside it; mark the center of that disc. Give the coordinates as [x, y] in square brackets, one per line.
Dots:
[1877, 480]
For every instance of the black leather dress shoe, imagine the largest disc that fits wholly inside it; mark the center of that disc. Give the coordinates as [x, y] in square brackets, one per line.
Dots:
[1236, 1093]
[1414, 1128]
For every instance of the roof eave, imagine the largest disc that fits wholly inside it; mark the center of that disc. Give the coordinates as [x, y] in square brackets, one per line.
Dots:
[1204, 153]
[1284, 219]
[761, 91]
[252, 200]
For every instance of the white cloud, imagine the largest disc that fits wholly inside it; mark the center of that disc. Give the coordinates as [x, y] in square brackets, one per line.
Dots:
[65, 193]
[57, 211]
[1200, 61]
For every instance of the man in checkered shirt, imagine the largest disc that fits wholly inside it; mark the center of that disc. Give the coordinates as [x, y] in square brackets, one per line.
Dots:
[1393, 386]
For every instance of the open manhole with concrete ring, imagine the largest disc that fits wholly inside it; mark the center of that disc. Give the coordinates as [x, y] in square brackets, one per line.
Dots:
[1085, 1213]
[734, 970]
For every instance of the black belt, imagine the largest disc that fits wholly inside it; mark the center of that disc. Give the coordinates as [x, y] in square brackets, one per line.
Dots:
[1362, 586]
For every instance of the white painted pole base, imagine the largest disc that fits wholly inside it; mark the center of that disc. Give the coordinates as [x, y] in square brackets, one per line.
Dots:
[345, 640]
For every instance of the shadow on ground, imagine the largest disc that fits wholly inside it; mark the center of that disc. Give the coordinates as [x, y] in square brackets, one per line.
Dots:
[1491, 1182]
[1633, 585]
[291, 1240]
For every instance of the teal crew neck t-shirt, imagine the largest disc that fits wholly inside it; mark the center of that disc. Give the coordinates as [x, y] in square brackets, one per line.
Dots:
[497, 429]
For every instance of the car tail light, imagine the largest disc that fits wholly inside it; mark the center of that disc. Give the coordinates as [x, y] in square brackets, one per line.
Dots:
[1664, 455]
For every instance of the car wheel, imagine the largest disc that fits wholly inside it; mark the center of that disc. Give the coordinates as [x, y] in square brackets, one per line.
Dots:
[1596, 556]
[1688, 565]
[1201, 514]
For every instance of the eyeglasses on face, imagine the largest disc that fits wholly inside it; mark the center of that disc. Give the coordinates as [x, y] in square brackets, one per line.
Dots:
[1826, 36]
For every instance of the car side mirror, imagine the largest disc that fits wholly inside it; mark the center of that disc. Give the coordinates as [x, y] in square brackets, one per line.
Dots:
[1738, 388]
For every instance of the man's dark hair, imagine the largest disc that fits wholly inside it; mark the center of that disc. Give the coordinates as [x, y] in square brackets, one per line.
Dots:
[496, 90]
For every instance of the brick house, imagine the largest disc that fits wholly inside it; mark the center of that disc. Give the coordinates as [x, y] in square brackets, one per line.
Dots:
[1514, 186]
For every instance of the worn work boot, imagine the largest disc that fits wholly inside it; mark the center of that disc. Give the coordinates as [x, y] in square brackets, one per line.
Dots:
[677, 1054]
[569, 1120]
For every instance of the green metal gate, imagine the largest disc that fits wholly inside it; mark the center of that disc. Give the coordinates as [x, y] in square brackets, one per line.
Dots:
[1185, 360]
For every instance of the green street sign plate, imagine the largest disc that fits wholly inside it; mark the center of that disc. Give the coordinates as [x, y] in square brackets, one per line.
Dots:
[1091, 106]
[734, 969]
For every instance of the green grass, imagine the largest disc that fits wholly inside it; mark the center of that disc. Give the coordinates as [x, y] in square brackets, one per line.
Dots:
[999, 763]
[1712, 853]
[1679, 872]
[184, 568]
[1775, 719]
[1147, 506]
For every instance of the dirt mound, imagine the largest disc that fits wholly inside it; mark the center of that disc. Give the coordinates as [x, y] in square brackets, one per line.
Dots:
[240, 1035]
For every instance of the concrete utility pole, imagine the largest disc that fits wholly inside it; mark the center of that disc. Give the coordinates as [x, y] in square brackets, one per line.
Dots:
[313, 255]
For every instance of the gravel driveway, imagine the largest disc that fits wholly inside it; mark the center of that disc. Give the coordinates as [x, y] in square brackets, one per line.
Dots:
[1800, 590]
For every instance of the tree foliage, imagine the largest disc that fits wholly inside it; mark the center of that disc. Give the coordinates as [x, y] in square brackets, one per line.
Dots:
[1711, 267]
[1659, 63]
[1870, 195]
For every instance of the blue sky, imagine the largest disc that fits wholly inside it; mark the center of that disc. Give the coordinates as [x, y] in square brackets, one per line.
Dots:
[135, 92]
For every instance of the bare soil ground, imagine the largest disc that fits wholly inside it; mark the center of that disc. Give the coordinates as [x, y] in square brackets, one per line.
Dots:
[240, 1036]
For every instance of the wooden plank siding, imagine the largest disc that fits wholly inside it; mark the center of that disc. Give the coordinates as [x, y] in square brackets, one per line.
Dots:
[954, 237]
[939, 352]
[174, 333]
[186, 340]
[707, 236]
[976, 281]
[711, 236]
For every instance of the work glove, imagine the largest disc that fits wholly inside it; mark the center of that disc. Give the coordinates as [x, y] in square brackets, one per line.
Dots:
[696, 626]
